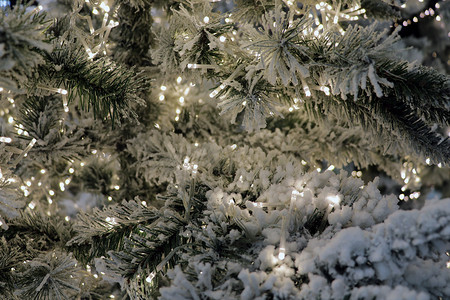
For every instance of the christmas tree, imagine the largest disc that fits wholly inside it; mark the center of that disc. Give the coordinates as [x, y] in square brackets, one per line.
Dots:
[207, 149]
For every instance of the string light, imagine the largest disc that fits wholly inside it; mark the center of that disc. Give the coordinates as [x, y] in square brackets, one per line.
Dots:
[150, 277]
[4, 139]
[334, 200]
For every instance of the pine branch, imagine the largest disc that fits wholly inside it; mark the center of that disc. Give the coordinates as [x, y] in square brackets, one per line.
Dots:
[101, 231]
[53, 275]
[36, 231]
[10, 257]
[133, 36]
[21, 38]
[100, 85]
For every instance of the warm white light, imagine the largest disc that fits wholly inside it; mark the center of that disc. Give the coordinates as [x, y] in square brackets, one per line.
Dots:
[150, 277]
[179, 79]
[281, 254]
[206, 19]
[307, 91]
[104, 6]
[71, 170]
[5, 139]
[222, 38]
[163, 88]
[334, 199]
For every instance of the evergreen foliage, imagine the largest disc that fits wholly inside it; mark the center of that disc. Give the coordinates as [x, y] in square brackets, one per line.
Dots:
[196, 149]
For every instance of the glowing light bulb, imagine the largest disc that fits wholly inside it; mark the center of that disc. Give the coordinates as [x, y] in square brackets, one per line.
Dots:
[4, 139]
[179, 79]
[307, 91]
[150, 277]
[104, 6]
[334, 199]
[206, 20]
[222, 38]
[163, 88]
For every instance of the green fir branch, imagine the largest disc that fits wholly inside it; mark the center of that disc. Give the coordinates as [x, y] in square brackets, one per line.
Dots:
[100, 85]
[22, 40]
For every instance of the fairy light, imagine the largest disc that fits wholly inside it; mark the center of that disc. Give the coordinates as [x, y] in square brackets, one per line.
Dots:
[334, 200]
[71, 170]
[282, 249]
[116, 187]
[163, 88]
[179, 79]
[181, 100]
[5, 139]
[213, 94]
[104, 6]
[326, 90]
[194, 169]
[222, 38]
[32, 205]
[307, 90]
[51, 192]
[62, 187]
[150, 277]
